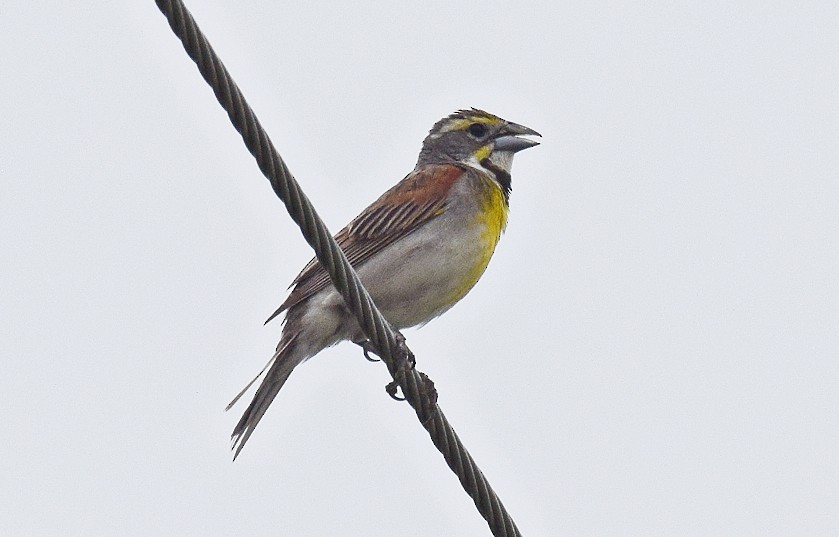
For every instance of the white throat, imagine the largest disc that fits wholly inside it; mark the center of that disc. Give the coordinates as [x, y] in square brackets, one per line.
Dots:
[500, 159]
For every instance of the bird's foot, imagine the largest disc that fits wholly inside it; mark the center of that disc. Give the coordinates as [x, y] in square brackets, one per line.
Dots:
[405, 361]
[392, 388]
[405, 354]
[367, 348]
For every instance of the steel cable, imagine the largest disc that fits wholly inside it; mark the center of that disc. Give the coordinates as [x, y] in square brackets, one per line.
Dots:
[390, 346]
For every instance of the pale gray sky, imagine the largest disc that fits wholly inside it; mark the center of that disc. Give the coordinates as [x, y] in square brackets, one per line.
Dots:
[654, 348]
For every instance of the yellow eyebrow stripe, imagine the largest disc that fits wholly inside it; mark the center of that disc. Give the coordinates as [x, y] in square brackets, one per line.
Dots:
[461, 124]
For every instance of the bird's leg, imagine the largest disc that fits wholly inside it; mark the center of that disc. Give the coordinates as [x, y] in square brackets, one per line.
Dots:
[367, 348]
[405, 361]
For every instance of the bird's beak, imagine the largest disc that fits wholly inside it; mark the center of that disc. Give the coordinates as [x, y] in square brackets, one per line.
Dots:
[510, 141]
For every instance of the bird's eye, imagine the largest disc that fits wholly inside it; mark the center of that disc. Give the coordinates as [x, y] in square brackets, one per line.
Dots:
[477, 129]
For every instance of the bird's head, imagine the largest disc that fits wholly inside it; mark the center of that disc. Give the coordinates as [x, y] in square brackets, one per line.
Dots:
[475, 138]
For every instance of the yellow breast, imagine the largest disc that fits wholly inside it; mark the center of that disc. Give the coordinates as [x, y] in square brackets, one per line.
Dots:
[493, 215]
[490, 220]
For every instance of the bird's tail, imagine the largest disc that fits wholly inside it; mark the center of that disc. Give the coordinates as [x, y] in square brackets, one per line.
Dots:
[280, 366]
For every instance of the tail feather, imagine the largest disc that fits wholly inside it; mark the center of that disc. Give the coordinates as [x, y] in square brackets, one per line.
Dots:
[281, 365]
[239, 395]
[280, 350]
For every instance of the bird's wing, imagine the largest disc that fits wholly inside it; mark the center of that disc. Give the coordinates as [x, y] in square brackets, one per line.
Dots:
[415, 200]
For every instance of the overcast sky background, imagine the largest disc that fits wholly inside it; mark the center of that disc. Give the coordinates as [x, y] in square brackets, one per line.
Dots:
[653, 351]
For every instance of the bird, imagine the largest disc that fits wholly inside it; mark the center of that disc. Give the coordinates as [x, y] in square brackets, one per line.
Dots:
[418, 249]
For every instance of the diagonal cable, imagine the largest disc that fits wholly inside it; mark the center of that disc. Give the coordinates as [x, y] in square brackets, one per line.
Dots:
[389, 344]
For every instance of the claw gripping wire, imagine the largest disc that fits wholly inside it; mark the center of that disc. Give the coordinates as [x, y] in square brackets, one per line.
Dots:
[417, 388]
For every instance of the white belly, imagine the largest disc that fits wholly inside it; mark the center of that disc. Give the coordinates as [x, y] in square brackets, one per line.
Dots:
[425, 273]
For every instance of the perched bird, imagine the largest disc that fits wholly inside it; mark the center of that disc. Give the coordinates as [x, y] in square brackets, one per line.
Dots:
[418, 249]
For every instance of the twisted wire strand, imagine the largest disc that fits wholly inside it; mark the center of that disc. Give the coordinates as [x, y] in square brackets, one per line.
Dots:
[417, 388]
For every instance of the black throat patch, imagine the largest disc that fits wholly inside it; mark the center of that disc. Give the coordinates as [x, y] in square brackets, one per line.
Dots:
[502, 177]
